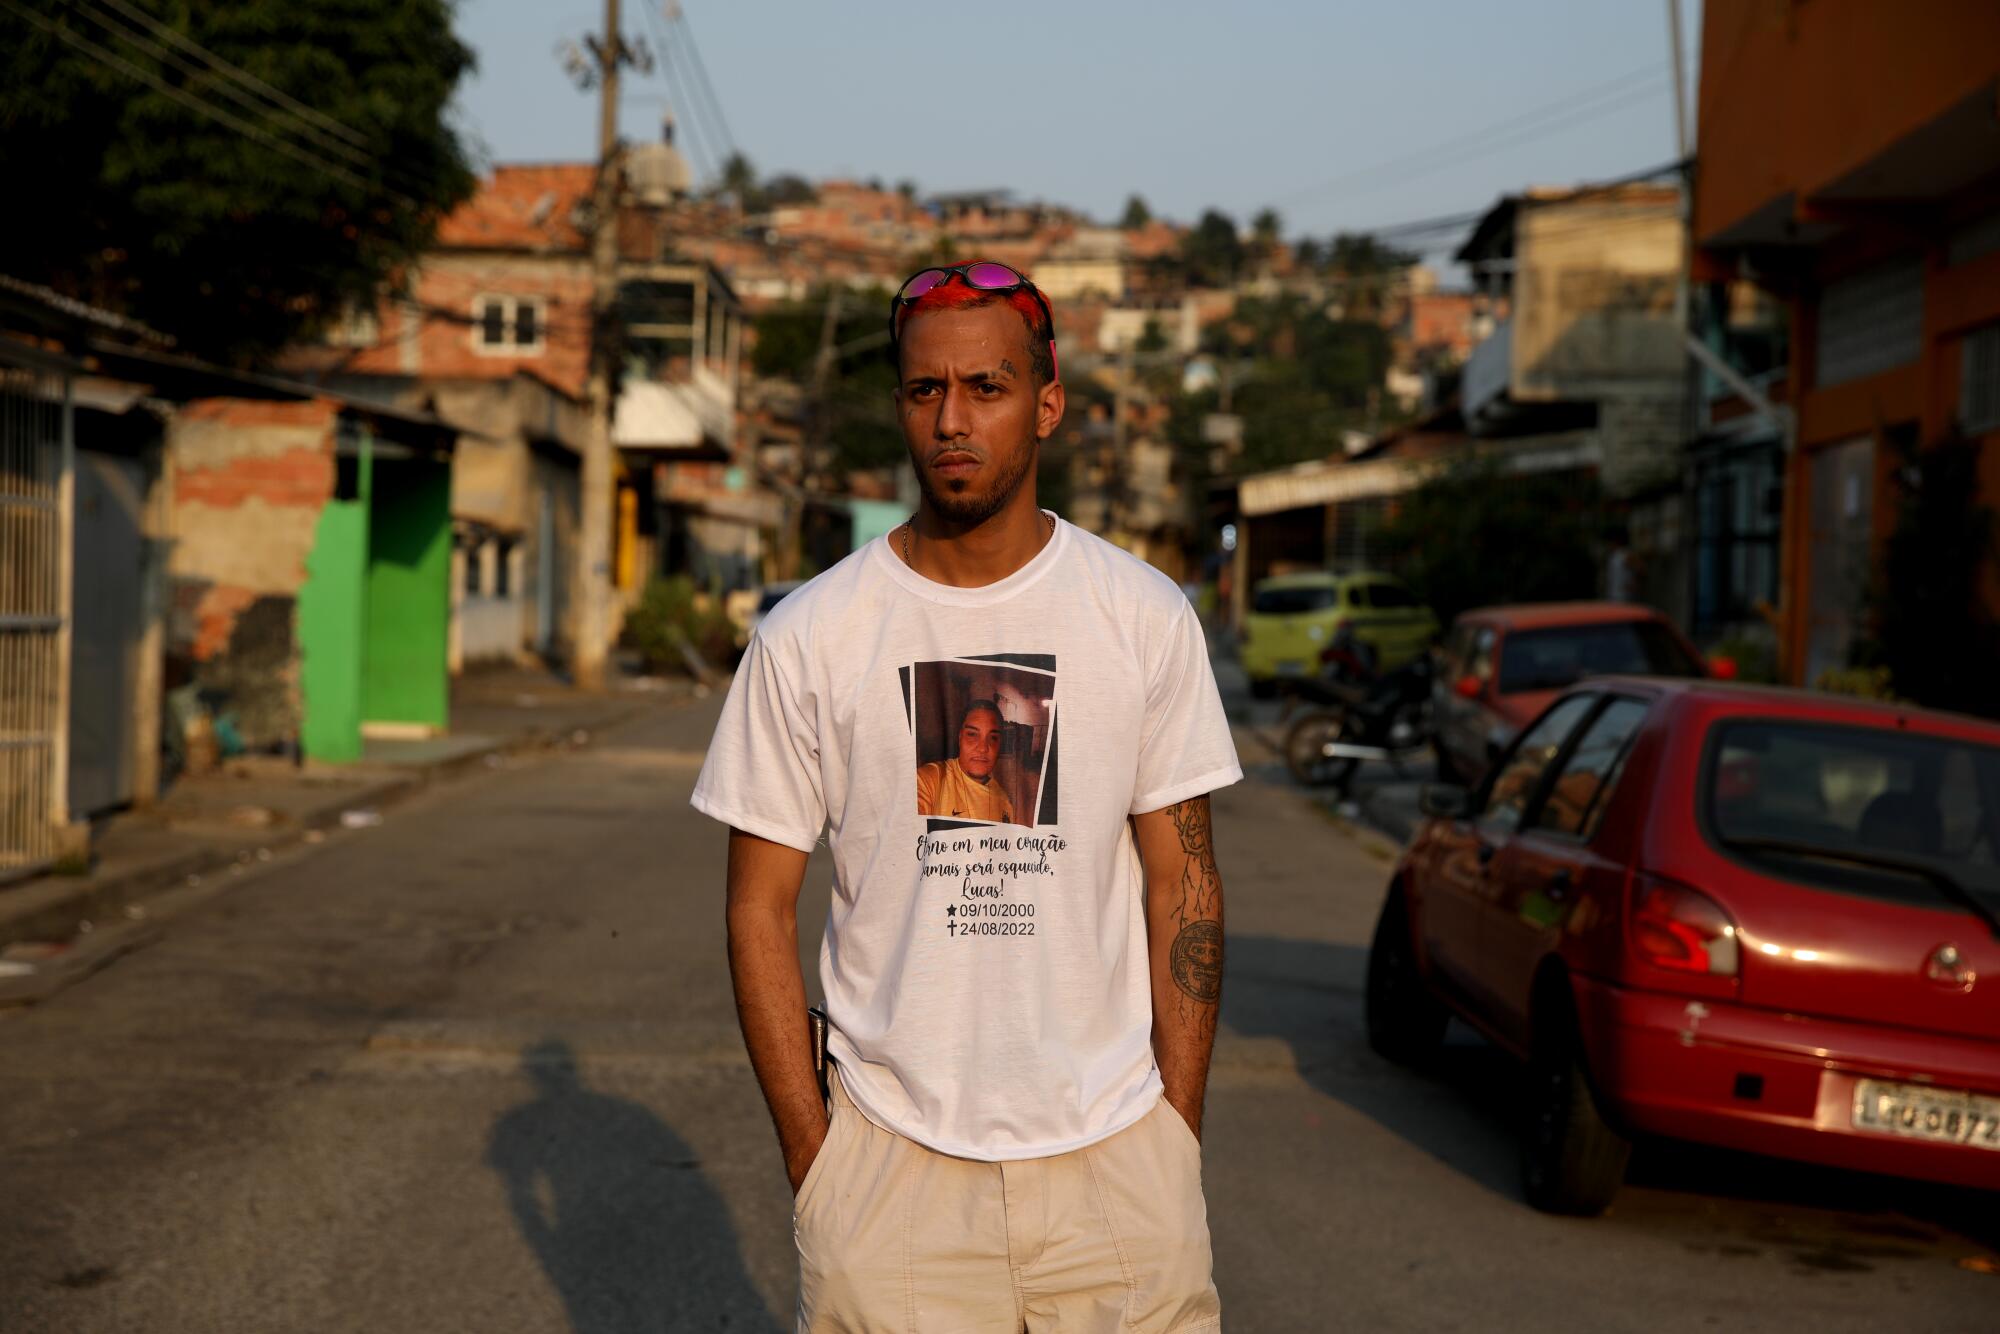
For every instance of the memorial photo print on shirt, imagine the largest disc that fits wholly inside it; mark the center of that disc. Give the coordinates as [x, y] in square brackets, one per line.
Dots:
[985, 738]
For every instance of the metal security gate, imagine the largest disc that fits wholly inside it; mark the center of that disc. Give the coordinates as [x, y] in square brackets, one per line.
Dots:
[35, 513]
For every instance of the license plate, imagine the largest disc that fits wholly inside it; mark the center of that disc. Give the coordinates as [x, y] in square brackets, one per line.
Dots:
[1291, 669]
[1916, 1112]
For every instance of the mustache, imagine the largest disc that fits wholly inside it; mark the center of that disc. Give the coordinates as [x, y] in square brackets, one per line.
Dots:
[942, 450]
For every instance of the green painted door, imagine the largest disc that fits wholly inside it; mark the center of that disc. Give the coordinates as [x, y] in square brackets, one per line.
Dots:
[333, 617]
[405, 675]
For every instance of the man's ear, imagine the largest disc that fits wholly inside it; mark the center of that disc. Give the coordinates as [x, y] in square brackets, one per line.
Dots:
[1049, 412]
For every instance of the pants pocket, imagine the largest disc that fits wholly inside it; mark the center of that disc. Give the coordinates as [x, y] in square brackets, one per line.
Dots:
[821, 1161]
[1150, 1178]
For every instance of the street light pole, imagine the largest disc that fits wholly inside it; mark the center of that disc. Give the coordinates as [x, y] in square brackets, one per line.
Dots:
[593, 564]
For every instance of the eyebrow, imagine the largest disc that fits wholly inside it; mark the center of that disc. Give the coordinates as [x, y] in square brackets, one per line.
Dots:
[994, 376]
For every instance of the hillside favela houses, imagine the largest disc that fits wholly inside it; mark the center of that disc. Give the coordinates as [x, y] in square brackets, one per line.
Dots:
[1580, 369]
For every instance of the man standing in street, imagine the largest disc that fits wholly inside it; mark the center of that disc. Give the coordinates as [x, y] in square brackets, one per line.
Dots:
[1021, 1017]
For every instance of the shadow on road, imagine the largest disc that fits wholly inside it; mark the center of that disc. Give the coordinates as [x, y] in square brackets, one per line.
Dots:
[1460, 1111]
[616, 1208]
[1309, 992]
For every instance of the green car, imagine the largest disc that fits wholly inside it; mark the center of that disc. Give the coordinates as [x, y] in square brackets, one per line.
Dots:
[1294, 617]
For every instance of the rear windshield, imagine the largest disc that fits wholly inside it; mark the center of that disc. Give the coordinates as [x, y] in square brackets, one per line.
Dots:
[1292, 601]
[1778, 793]
[1554, 658]
[1385, 597]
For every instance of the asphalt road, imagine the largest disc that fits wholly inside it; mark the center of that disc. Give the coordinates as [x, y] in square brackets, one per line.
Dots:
[477, 1069]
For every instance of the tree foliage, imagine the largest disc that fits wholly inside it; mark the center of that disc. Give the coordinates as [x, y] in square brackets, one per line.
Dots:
[1366, 268]
[861, 421]
[141, 200]
[1136, 214]
[1309, 378]
[1475, 535]
[1212, 252]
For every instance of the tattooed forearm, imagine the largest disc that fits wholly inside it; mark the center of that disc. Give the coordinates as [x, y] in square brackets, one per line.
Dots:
[1201, 885]
[1195, 962]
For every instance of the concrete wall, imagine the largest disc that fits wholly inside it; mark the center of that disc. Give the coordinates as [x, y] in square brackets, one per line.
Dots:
[1594, 298]
[250, 481]
[1639, 440]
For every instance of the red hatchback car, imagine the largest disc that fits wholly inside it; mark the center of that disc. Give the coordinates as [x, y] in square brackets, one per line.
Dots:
[1761, 919]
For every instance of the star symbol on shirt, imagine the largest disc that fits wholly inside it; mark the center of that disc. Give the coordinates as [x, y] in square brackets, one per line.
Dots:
[951, 910]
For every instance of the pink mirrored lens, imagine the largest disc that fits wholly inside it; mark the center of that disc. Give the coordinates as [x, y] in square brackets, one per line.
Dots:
[990, 276]
[922, 282]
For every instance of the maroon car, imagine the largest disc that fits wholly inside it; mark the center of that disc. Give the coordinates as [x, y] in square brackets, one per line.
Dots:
[1502, 665]
[1762, 919]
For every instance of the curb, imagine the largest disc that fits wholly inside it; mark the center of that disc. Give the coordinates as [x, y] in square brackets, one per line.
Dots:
[58, 907]
[1379, 841]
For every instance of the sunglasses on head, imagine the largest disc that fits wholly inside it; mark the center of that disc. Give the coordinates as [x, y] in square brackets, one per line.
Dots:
[984, 276]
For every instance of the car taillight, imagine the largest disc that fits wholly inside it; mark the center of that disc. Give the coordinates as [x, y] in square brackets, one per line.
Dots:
[1682, 930]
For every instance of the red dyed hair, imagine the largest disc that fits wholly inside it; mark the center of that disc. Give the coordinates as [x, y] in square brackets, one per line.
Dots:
[957, 294]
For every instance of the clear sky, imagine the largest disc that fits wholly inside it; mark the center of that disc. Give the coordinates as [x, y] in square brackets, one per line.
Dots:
[1293, 104]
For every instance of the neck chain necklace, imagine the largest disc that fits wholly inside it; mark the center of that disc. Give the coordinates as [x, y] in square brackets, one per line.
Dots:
[909, 526]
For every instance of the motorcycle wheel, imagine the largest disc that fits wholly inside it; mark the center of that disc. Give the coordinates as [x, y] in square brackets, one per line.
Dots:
[1305, 750]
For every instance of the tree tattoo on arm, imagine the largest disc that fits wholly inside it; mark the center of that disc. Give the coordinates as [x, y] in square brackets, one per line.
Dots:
[1195, 960]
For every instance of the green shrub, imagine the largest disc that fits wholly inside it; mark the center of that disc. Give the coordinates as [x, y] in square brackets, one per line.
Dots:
[1755, 656]
[670, 614]
[1863, 682]
[1474, 535]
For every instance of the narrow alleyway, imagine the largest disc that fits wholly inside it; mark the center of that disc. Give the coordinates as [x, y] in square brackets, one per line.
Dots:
[477, 1069]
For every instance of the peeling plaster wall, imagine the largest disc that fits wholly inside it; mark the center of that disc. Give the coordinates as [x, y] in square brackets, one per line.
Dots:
[251, 478]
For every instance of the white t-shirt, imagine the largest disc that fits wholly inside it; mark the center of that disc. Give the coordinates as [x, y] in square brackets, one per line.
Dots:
[988, 982]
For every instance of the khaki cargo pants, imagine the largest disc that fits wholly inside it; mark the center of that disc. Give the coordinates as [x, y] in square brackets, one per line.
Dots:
[1113, 1237]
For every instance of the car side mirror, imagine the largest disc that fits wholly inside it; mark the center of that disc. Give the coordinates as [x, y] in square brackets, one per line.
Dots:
[1721, 668]
[1444, 801]
[1466, 687]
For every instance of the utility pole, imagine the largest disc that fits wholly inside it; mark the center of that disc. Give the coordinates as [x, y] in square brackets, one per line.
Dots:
[818, 440]
[592, 581]
[1121, 443]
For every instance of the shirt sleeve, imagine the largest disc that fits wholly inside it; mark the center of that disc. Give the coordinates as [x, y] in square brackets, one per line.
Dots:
[1185, 749]
[762, 773]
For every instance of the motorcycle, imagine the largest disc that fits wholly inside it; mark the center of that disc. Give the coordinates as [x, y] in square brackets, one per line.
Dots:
[1359, 713]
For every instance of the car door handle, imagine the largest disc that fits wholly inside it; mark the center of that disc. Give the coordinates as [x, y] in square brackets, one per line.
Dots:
[1560, 885]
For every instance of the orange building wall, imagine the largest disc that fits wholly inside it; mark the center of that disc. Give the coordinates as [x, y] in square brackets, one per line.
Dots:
[447, 288]
[1796, 92]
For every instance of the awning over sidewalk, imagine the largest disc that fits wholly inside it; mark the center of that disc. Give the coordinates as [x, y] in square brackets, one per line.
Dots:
[1332, 481]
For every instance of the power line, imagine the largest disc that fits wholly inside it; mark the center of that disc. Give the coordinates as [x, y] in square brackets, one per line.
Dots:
[701, 71]
[1526, 128]
[1411, 232]
[241, 75]
[698, 133]
[205, 108]
[225, 87]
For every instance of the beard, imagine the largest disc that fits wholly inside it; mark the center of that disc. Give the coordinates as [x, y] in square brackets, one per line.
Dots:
[958, 504]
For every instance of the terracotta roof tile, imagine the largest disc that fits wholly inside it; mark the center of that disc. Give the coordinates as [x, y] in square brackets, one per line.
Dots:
[527, 206]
